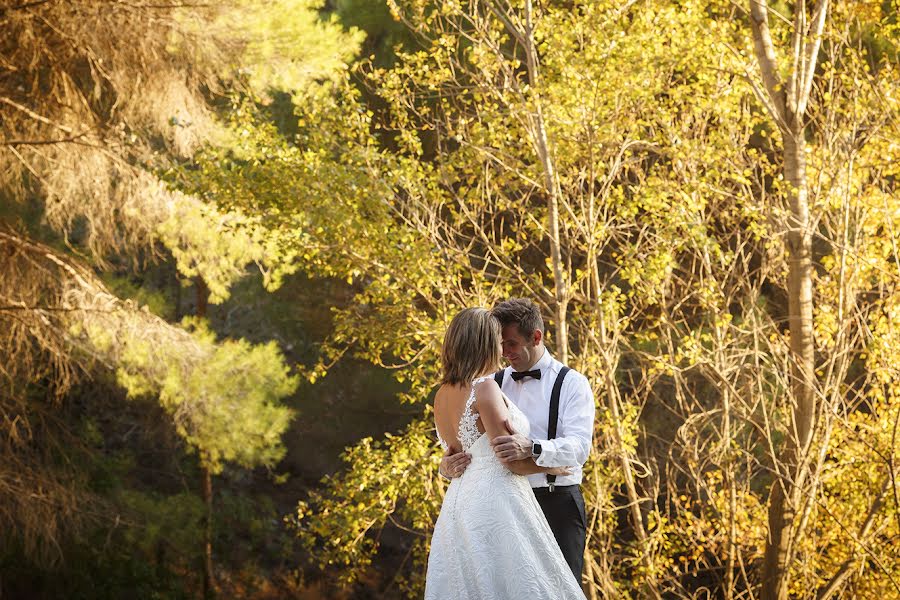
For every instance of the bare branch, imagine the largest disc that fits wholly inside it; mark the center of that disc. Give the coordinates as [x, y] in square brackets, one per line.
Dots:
[768, 60]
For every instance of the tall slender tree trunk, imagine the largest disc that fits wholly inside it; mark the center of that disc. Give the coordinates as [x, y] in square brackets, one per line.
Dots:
[784, 501]
[800, 292]
[729, 475]
[545, 155]
[209, 583]
[786, 99]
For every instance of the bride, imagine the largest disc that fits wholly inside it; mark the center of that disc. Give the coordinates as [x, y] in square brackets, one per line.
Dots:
[491, 540]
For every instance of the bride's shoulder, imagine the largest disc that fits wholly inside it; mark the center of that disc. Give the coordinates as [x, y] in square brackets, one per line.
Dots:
[485, 383]
[443, 393]
[450, 394]
[486, 389]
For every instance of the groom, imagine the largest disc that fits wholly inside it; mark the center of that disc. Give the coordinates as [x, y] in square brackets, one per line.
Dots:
[543, 388]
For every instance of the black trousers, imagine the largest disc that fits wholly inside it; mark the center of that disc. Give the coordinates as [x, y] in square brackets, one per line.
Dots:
[564, 509]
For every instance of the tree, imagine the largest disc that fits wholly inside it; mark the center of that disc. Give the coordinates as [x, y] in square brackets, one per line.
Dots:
[789, 84]
[222, 397]
[97, 102]
[787, 103]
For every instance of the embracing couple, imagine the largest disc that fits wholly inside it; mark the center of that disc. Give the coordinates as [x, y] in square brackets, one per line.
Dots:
[513, 523]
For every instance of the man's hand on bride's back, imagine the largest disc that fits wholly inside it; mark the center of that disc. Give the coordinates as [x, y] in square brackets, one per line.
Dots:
[454, 464]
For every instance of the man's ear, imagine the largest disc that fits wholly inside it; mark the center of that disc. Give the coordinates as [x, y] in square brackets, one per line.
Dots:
[538, 337]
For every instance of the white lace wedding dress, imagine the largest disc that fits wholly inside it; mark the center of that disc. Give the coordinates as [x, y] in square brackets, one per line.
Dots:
[491, 540]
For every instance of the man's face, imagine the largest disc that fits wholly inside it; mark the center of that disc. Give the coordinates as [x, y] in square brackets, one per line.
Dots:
[520, 352]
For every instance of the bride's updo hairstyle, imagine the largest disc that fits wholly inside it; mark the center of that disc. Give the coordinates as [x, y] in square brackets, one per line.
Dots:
[471, 346]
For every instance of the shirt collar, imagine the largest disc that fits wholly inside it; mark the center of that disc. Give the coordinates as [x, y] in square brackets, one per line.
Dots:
[543, 362]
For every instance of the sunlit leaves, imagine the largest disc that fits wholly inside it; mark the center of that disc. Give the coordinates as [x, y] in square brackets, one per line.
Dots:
[392, 479]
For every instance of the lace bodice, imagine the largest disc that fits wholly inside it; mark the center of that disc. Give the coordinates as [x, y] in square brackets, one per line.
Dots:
[468, 433]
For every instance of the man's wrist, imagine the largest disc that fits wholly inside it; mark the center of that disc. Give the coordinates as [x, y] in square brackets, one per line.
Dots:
[536, 449]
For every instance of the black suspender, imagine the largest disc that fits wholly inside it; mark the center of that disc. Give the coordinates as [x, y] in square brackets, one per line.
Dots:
[554, 408]
[554, 415]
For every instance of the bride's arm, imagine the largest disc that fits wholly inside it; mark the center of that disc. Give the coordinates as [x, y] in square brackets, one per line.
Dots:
[494, 415]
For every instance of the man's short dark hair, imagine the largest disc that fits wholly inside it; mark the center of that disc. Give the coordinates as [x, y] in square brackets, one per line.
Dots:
[521, 311]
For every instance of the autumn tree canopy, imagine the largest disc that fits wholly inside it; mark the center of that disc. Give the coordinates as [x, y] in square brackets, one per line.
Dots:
[701, 197]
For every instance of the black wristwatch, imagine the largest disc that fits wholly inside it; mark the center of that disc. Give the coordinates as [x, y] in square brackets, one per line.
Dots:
[535, 449]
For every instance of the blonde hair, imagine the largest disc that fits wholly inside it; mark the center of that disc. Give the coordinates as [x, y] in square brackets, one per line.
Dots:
[471, 346]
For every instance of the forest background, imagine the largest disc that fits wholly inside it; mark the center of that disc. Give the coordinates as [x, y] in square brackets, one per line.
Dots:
[232, 234]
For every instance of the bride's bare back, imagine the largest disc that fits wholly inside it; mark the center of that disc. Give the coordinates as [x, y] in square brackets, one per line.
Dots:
[449, 404]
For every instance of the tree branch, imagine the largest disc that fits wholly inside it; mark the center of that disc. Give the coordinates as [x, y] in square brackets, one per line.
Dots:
[68, 140]
[830, 588]
[768, 61]
[34, 115]
[812, 51]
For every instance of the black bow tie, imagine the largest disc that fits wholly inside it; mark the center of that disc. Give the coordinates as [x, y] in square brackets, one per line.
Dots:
[523, 374]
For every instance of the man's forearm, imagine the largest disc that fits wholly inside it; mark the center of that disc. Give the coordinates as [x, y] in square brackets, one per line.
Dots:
[561, 452]
[526, 466]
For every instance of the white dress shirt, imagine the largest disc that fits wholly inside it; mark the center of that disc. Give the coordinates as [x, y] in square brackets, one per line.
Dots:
[575, 427]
